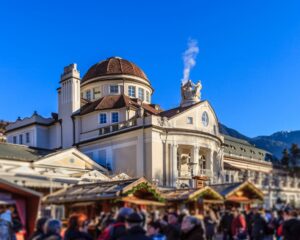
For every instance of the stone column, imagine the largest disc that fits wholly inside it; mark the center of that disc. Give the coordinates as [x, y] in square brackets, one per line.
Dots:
[195, 159]
[211, 162]
[174, 168]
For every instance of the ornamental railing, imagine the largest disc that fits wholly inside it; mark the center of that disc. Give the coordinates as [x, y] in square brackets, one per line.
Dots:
[118, 126]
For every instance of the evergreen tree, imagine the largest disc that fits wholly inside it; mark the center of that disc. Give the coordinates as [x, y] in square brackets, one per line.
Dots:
[295, 154]
[285, 158]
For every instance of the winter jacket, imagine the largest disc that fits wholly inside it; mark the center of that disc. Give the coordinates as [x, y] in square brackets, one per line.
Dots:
[136, 233]
[238, 225]
[291, 229]
[172, 231]
[158, 237]
[52, 236]
[196, 233]
[73, 234]
[113, 231]
[259, 226]
[210, 226]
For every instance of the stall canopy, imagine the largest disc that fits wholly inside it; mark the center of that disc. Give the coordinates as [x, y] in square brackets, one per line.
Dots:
[26, 201]
[242, 192]
[133, 189]
[207, 194]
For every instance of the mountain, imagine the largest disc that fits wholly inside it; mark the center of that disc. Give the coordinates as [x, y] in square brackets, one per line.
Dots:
[274, 143]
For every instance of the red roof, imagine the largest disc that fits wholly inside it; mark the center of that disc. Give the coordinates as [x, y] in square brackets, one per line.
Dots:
[114, 66]
[116, 102]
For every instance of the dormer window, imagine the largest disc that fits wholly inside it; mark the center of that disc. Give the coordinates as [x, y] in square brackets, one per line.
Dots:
[147, 96]
[96, 92]
[141, 94]
[88, 95]
[114, 89]
[131, 91]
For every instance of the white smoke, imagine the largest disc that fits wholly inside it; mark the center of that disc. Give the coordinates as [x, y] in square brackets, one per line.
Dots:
[189, 59]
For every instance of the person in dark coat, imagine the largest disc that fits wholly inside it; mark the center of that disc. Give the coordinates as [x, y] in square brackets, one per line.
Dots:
[76, 228]
[291, 225]
[192, 229]
[154, 231]
[135, 230]
[259, 226]
[39, 229]
[210, 225]
[116, 229]
[52, 230]
[172, 230]
[225, 225]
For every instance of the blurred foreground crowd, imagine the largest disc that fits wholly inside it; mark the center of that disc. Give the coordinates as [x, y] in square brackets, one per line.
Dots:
[130, 224]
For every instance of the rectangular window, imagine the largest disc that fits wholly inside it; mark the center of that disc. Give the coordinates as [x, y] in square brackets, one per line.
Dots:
[96, 92]
[27, 137]
[21, 139]
[114, 117]
[14, 139]
[88, 95]
[114, 89]
[131, 91]
[103, 118]
[141, 94]
[226, 178]
[102, 157]
[147, 96]
[189, 120]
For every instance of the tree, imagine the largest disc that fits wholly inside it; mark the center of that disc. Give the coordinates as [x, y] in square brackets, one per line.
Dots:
[285, 160]
[295, 154]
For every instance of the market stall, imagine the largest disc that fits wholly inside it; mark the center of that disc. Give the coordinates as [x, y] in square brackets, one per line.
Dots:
[241, 194]
[196, 200]
[24, 200]
[92, 199]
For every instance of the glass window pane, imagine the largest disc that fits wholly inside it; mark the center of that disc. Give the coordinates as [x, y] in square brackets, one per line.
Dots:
[141, 94]
[115, 117]
[102, 118]
[114, 89]
[131, 91]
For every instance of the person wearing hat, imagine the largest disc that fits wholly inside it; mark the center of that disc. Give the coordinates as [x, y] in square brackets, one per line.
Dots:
[172, 230]
[134, 227]
[117, 229]
[291, 225]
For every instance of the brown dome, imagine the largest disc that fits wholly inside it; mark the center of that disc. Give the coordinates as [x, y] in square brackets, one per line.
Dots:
[114, 66]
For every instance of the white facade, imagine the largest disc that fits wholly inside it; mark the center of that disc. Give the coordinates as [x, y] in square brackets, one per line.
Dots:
[111, 119]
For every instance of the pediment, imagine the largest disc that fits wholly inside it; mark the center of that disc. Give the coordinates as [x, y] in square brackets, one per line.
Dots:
[70, 159]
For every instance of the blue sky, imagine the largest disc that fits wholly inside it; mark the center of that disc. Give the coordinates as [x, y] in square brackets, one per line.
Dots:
[248, 60]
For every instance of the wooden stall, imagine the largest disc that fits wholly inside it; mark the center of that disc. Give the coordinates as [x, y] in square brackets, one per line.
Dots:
[24, 200]
[196, 200]
[241, 194]
[92, 199]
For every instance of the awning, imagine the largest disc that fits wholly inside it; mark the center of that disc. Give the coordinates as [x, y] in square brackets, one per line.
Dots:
[83, 204]
[139, 201]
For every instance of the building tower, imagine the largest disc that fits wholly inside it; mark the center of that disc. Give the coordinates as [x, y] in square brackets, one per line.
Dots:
[68, 102]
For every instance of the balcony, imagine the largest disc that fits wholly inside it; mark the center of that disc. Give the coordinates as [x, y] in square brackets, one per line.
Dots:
[201, 172]
[118, 126]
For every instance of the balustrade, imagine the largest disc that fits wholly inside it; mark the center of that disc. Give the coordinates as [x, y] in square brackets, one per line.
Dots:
[118, 126]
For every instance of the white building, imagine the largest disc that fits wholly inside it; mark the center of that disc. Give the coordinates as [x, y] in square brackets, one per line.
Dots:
[109, 116]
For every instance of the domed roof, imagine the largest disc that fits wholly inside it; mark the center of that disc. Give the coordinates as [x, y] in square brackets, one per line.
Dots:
[114, 66]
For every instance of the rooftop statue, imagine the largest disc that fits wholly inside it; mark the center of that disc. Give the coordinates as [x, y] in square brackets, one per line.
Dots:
[190, 93]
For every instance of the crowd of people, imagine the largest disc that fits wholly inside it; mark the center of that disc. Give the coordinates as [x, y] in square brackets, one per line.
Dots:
[130, 224]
